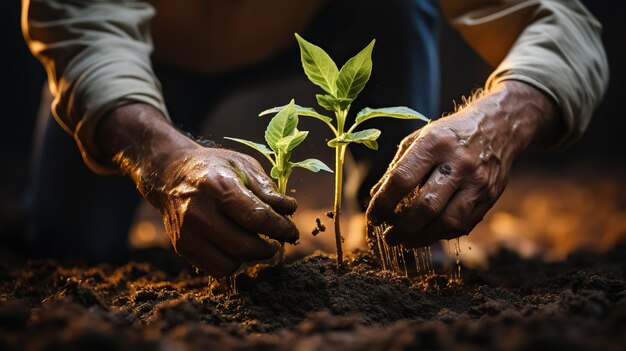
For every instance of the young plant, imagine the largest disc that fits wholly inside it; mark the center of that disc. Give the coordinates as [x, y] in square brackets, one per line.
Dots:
[341, 87]
[282, 136]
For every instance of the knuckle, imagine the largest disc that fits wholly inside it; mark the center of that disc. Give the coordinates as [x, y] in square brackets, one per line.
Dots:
[430, 204]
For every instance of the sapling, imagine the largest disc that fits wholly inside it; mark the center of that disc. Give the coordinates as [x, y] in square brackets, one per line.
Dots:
[341, 87]
[282, 136]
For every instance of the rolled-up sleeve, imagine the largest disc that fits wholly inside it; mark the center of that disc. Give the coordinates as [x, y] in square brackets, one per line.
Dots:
[97, 57]
[552, 45]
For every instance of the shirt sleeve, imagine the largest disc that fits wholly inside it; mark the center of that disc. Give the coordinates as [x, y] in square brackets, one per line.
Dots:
[97, 57]
[553, 45]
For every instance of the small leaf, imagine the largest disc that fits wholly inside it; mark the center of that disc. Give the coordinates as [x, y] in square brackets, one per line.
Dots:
[281, 125]
[400, 112]
[331, 103]
[318, 66]
[355, 73]
[301, 111]
[275, 172]
[363, 135]
[258, 147]
[290, 142]
[312, 165]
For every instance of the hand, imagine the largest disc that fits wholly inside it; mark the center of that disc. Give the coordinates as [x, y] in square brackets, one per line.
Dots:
[447, 175]
[213, 201]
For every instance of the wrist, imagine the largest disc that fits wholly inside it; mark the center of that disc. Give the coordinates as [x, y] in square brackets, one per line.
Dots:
[533, 118]
[137, 137]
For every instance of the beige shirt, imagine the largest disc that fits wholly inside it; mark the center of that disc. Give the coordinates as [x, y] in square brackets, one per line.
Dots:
[97, 53]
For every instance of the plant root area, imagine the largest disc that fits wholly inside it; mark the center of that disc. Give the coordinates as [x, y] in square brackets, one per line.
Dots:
[156, 302]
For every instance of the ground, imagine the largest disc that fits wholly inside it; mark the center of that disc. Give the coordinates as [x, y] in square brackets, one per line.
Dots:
[156, 302]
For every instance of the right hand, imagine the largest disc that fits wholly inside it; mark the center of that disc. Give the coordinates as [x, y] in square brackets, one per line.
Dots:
[213, 201]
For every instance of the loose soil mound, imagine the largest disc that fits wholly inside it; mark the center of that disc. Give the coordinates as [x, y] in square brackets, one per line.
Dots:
[154, 302]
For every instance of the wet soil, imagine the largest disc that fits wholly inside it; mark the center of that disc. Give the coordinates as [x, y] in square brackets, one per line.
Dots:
[156, 302]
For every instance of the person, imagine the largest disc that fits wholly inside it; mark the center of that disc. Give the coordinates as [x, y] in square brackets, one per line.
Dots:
[120, 105]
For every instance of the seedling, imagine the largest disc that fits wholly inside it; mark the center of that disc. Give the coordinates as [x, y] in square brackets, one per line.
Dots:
[282, 136]
[341, 87]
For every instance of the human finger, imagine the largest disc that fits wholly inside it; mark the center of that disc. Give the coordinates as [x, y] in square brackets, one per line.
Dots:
[247, 210]
[402, 179]
[228, 236]
[404, 145]
[429, 202]
[265, 189]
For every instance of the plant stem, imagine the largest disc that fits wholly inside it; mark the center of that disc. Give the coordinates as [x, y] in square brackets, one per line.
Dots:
[340, 151]
[282, 184]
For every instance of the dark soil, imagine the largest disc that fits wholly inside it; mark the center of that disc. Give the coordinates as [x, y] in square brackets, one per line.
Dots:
[155, 302]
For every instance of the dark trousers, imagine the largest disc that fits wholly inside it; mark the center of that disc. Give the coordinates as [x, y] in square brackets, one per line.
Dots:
[76, 213]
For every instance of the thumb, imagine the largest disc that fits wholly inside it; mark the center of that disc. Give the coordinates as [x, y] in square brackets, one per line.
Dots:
[265, 189]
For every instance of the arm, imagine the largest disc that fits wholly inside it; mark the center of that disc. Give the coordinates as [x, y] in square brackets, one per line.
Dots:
[213, 202]
[552, 72]
[97, 56]
[554, 46]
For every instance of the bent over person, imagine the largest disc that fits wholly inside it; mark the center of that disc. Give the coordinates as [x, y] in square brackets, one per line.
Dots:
[121, 102]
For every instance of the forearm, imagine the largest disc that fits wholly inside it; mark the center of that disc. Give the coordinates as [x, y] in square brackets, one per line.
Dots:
[97, 55]
[552, 45]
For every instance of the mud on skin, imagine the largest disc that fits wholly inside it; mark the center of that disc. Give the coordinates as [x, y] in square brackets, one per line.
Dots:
[156, 302]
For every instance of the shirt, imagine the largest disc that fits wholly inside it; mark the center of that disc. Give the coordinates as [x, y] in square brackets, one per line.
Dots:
[97, 53]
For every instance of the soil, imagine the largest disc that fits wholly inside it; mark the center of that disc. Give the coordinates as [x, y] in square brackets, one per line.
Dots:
[156, 302]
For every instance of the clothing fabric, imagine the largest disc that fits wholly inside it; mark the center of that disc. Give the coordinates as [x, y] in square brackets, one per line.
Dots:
[97, 53]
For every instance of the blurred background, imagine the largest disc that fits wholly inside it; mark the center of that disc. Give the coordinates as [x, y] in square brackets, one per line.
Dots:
[555, 202]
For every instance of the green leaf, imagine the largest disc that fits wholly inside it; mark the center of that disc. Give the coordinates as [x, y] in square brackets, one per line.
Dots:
[258, 147]
[301, 111]
[366, 137]
[275, 172]
[363, 135]
[318, 66]
[400, 112]
[312, 165]
[281, 125]
[290, 142]
[355, 73]
[332, 103]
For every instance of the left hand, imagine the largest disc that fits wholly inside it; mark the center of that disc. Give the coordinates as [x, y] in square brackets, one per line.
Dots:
[448, 174]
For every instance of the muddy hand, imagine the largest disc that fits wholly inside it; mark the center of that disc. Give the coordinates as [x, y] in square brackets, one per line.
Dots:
[447, 175]
[213, 201]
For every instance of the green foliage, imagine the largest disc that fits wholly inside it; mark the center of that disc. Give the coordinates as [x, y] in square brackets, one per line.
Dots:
[282, 136]
[341, 88]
